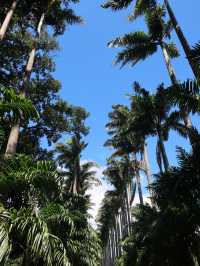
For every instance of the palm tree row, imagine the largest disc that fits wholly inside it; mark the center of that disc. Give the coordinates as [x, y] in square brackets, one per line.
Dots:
[130, 128]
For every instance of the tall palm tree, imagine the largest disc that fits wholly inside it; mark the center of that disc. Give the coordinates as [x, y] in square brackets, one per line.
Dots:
[143, 6]
[182, 38]
[127, 143]
[152, 116]
[79, 176]
[114, 218]
[139, 45]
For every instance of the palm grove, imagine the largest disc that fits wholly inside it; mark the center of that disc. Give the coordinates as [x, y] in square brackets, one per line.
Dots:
[165, 231]
[44, 218]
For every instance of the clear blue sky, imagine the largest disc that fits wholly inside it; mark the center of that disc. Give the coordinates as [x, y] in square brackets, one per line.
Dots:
[84, 67]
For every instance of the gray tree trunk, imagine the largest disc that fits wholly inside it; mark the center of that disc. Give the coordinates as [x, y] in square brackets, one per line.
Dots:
[186, 117]
[148, 172]
[7, 19]
[15, 130]
[181, 37]
[163, 152]
[13, 140]
[169, 65]
[127, 202]
[138, 180]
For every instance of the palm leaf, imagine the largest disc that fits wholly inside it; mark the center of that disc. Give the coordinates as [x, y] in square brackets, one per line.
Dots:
[195, 56]
[117, 4]
[141, 7]
[133, 55]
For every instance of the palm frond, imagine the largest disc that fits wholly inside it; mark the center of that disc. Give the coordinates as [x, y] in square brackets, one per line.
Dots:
[141, 7]
[5, 227]
[195, 56]
[133, 55]
[130, 40]
[117, 4]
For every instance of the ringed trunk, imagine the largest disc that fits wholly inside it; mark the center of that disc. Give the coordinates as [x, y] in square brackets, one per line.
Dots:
[7, 19]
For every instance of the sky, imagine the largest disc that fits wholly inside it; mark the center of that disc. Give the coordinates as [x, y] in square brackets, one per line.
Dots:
[84, 66]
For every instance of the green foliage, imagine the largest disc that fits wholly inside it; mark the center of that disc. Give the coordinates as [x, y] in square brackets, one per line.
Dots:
[195, 55]
[139, 45]
[16, 106]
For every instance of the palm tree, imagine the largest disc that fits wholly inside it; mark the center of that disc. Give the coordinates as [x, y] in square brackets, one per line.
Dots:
[182, 38]
[143, 6]
[185, 96]
[140, 45]
[79, 176]
[152, 116]
[127, 143]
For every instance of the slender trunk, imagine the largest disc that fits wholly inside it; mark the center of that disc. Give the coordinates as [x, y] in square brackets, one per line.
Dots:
[139, 187]
[74, 187]
[181, 37]
[120, 232]
[186, 117]
[116, 237]
[110, 247]
[15, 130]
[7, 19]
[128, 211]
[163, 152]
[148, 172]
[12, 141]
[168, 64]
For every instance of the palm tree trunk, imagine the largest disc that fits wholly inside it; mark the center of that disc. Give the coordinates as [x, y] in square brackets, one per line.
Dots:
[163, 152]
[7, 19]
[15, 130]
[148, 172]
[181, 37]
[127, 202]
[186, 117]
[120, 232]
[138, 180]
[13, 140]
[168, 64]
